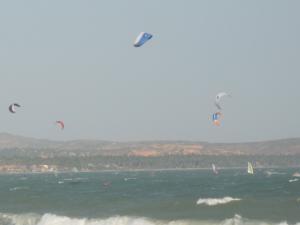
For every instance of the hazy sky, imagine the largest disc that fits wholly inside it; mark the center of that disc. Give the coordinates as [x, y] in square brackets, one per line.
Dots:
[75, 61]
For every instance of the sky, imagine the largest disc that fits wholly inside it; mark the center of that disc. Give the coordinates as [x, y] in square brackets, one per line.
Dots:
[74, 61]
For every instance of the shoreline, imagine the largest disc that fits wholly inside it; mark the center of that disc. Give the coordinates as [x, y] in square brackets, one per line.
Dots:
[149, 170]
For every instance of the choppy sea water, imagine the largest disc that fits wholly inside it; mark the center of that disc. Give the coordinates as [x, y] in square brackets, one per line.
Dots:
[151, 197]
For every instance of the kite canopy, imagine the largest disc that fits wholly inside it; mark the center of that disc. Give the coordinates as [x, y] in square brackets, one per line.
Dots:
[12, 107]
[216, 118]
[142, 39]
[61, 124]
[219, 97]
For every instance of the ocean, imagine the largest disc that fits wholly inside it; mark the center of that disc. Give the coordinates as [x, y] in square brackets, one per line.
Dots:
[232, 197]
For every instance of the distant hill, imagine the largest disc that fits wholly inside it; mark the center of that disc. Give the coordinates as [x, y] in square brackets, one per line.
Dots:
[26, 145]
[22, 154]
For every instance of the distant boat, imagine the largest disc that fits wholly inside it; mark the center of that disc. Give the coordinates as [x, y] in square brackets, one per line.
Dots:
[250, 168]
[214, 169]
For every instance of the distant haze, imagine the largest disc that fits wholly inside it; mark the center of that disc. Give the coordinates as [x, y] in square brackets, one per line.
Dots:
[75, 61]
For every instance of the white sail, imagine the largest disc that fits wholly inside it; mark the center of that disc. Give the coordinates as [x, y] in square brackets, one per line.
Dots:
[250, 168]
[214, 169]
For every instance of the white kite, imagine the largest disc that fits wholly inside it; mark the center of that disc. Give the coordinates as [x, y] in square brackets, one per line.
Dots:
[219, 97]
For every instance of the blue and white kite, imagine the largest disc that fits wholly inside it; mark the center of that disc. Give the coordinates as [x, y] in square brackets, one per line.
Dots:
[216, 118]
[142, 39]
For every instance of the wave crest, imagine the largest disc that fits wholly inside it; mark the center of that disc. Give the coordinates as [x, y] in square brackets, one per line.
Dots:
[216, 201]
[51, 219]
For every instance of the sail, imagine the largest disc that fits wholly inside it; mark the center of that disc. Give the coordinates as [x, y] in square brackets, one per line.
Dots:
[250, 168]
[214, 169]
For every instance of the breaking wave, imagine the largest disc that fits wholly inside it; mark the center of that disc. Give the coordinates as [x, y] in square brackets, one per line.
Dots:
[216, 201]
[51, 219]
[270, 173]
[293, 180]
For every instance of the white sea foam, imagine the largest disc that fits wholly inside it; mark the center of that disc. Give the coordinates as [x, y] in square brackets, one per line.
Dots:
[129, 178]
[293, 180]
[238, 220]
[51, 219]
[216, 201]
[270, 173]
[19, 219]
[18, 188]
